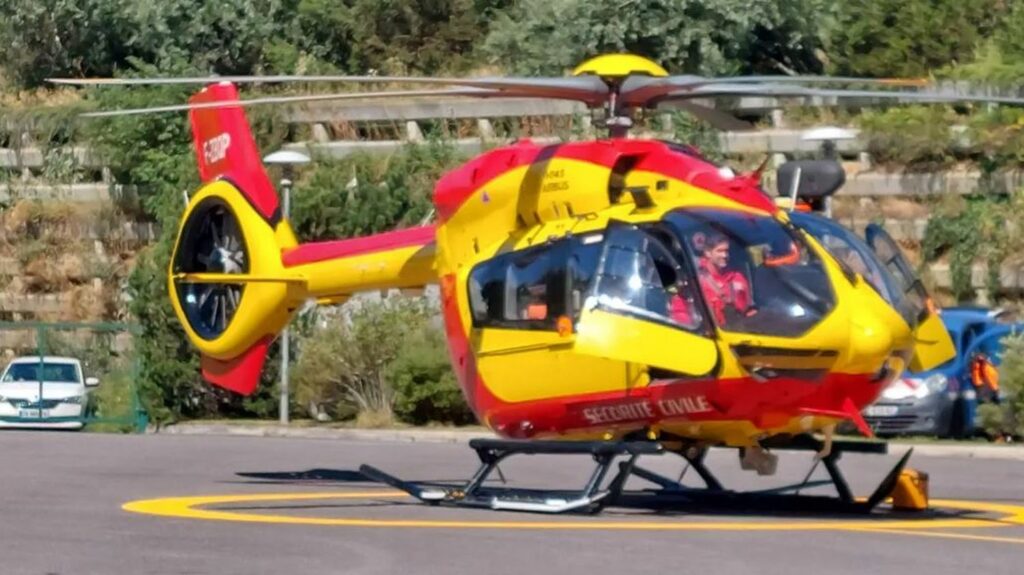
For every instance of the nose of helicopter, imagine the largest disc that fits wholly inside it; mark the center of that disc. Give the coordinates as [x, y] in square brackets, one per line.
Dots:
[872, 341]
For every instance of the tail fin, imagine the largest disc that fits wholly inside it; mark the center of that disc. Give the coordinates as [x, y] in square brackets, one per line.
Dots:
[225, 148]
[237, 272]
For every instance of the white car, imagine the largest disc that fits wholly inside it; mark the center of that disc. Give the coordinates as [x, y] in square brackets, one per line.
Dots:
[44, 392]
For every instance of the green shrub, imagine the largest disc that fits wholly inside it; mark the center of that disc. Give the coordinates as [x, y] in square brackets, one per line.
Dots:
[375, 360]
[114, 399]
[1011, 384]
[972, 232]
[994, 420]
[366, 194]
[997, 135]
[918, 137]
[341, 369]
[425, 387]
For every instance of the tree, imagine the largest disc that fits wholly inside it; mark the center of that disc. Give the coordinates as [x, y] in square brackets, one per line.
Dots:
[225, 37]
[366, 194]
[44, 38]
[102, 37]
[152, 156]
[685, 36]
[413, 36]
[908, 38]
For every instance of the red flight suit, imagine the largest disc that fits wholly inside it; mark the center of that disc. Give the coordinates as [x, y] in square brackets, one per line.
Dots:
[723, 289]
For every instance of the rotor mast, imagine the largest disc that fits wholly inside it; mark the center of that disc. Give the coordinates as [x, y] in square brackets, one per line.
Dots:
[614, 69]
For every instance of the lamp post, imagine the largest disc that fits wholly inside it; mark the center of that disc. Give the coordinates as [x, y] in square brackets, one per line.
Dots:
[288, 160]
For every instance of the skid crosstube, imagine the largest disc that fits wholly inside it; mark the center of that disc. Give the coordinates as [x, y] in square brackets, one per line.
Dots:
[595, 495]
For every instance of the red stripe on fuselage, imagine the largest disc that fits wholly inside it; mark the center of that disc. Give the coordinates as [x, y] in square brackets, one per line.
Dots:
[457, 186]
[321, 251]
[764, 404]
[696, 172]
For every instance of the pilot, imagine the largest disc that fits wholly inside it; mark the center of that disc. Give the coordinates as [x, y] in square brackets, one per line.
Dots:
[726, 291]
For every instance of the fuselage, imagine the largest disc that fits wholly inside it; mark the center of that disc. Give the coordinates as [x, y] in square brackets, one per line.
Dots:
[578, 302]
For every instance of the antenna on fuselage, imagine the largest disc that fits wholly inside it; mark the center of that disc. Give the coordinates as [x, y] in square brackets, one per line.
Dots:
[795, 188]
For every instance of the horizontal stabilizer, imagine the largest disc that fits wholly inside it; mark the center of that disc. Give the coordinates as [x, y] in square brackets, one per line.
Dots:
[240, 374]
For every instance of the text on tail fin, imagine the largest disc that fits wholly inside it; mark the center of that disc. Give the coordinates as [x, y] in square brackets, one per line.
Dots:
[225, 148]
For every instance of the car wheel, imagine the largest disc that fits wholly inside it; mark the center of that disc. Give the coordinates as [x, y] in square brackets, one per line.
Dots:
[956, 421]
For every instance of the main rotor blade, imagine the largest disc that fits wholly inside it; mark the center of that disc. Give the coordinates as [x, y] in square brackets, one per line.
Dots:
[644, 91]
[589, 89]
[717, 91]
[293, 100]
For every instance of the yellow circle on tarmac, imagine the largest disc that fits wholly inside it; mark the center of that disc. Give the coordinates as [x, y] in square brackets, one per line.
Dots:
[197, 508]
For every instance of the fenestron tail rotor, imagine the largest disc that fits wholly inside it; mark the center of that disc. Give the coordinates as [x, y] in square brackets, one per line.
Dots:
[211, 242]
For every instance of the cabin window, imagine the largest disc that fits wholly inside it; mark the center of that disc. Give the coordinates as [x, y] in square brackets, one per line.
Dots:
[626, 270]
[532, 288]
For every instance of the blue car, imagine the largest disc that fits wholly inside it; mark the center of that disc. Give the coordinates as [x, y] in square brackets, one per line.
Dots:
[942, 401]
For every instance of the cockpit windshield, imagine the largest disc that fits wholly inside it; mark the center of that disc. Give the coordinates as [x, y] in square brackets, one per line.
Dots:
[756, 275]
[855, 254]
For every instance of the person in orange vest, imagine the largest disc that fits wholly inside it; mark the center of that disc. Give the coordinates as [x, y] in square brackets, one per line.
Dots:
[536, 307]
[985, 378]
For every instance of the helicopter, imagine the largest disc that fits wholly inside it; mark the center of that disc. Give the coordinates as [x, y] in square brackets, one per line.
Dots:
[617, 297]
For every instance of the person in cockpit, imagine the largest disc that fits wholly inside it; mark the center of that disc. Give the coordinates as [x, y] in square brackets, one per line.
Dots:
[726, 291]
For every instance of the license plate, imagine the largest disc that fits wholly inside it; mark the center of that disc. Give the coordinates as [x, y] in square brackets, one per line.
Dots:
[33, 413]
[881, 410]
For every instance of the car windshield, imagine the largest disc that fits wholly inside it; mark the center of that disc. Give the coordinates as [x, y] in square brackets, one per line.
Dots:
[57, 372]
[756, 275]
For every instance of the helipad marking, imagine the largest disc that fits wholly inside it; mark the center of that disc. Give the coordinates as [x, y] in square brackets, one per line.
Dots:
[192, 508]
[967, 536]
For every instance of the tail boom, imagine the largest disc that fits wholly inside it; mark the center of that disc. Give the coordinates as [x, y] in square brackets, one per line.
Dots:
[399, 259]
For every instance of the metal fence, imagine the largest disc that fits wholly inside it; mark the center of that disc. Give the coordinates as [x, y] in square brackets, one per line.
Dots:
[41, 385]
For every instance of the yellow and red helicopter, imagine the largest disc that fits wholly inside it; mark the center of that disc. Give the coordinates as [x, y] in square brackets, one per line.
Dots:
[614, 297]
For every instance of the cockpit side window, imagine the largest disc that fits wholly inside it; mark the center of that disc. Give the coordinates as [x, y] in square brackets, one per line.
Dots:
[640, 275]
[851, 253]
[756, 274]
[626, 269]
[916, 303]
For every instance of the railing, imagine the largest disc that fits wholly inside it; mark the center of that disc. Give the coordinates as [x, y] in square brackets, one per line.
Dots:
[24, 166]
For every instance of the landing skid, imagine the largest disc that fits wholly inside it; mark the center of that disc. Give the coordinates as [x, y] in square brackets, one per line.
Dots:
[596, 494]
[492, 451]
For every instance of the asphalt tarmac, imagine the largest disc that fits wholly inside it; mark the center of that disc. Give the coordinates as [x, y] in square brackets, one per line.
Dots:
[299, 506]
